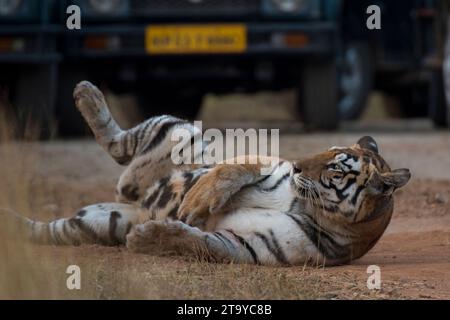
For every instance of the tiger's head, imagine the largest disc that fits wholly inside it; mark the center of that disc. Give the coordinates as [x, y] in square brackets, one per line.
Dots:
[352, 187]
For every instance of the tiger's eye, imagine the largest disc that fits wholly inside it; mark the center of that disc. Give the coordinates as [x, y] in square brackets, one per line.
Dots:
[334, 167]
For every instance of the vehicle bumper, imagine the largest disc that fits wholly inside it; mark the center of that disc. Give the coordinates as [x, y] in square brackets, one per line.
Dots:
[262, 39]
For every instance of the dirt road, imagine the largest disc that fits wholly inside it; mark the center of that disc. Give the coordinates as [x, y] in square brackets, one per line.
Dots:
[57, 178]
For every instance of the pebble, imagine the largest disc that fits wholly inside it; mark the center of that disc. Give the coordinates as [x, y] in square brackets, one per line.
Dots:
[440, 198]
[51, 208]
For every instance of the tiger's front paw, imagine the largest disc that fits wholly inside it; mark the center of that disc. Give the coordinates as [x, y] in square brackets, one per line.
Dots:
[200, 202]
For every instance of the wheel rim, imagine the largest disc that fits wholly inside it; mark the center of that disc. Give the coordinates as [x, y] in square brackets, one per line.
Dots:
[350, 81]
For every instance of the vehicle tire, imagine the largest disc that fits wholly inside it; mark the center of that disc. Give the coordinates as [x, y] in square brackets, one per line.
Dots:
[445, 112]
[356, 78]
[437, 101]
[317, 95]
[182, 103]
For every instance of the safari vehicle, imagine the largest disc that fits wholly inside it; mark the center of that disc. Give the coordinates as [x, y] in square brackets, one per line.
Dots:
[173, 52]
[170, 53]
[403, 59]
[29, 57]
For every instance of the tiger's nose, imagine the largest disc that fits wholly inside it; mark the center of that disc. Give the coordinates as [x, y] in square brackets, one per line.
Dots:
[297, 169]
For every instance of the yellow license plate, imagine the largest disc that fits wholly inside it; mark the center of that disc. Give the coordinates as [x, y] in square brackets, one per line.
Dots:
[181, 39]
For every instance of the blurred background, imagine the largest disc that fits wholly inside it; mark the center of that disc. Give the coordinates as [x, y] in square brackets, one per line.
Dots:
[293, 64]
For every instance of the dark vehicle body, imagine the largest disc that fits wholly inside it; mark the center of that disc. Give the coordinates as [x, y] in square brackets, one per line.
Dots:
[406, 54]
[29, 57]
[280, 49]
[322, 48]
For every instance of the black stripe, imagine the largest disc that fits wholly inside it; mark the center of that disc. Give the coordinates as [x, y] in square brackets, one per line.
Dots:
[188, 183]
[135, 142]
[194, 139]
[264, 178]
[333, 208]
[147, 203]
[354, 172]
[346, 165]
[68, 235]
[144, 164]
[87, 231]
[123, 160]
[323, 241]
[247, 246]
[129, 226]
[114, 216]
[57, 235]
[48, 234]
[278, 247]
[81, 213]
[124, 141]
[352, 157]
[161, 135]
[53, 233]
[72, 223]
[153, 122]
[139, 133]
[165, 196]
[277, 184]
[106, 123]
[167, 156]
[173, 213]
[322, 182]
[187, 176]
[64, 231]
[132, 142]
[340, 192]
[224, 239]
[274, 249]
[215, 234]
[144, 129]
[292, 205]
[130, 192]
[358, 191]
[33, 231]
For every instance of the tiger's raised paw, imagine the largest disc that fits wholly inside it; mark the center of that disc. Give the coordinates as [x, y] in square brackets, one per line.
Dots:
[89, 99]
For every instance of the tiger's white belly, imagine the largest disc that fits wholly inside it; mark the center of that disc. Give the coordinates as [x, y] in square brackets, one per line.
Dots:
[294, 243]
[262, 210]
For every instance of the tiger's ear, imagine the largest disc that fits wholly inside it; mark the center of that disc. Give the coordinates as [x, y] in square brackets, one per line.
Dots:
[386, 183]
[368, 143]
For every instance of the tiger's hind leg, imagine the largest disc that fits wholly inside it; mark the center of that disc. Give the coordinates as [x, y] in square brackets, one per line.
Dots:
[122, 145]
[147, 148]
[105, 224]
[177, 237]
[92, 104]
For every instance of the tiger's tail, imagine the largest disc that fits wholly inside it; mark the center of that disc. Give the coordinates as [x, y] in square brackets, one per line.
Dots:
[106, 224]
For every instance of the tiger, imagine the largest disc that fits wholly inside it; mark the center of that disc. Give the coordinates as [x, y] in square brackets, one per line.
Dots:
[330, 208]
